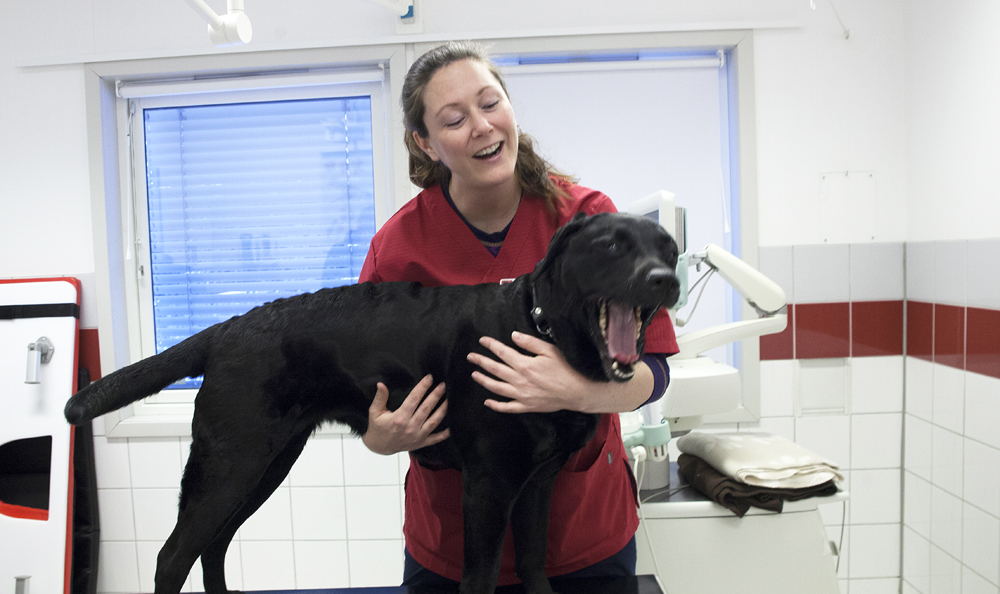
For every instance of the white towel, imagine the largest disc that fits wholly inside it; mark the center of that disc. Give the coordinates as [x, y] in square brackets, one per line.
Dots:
[761, 459]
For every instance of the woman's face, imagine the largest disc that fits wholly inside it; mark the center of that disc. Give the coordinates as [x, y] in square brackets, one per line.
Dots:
[470, 126]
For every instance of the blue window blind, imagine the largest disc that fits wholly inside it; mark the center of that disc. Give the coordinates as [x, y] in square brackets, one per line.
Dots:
[252, 202]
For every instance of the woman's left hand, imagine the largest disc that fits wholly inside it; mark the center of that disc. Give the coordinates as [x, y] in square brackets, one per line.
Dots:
[545, 381]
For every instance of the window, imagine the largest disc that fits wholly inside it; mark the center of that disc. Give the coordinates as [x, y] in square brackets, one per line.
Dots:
[670, 106]
[251, 202]
[241, 198]
[633, 121]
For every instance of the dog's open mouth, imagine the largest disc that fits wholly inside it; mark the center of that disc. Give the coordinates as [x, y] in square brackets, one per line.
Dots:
[621, 328]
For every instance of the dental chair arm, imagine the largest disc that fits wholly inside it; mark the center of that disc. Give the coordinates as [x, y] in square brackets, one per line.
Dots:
[762, 293]
[694, 343]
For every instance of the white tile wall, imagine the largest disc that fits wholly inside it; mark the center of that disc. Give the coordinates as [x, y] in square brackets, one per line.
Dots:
[876, 440]
[982, 409]
[952, 481]
[950, 272]
[875, 550]
[866, 439]
[981, 542]
[946, 522]
[268, 564]
[951, 504]
[821, 273]
[946, 460]
[946, 572]
[981, 476]
[775, 262]
[876, 272]
[827, 435]
[916, 561]
[321, 564]
[822, 386]
[920, 388]
[917, 504]
[920, 280]
[876, 384]
[777, 388]
[949, 398]
[336, 491]
[918, 447]
[983, 289]
[876, 586]
[372, 560]
[319, 513]
[875, 497]
[976, 584]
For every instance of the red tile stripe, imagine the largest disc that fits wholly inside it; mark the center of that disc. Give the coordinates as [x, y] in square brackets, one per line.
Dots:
[982, 347]
[965, 338]
[822, 330]
[876, 328]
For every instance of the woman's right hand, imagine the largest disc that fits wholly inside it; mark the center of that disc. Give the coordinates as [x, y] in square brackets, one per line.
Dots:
[412, 425]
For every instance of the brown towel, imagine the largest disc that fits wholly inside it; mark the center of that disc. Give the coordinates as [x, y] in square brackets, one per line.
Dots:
[737, 496]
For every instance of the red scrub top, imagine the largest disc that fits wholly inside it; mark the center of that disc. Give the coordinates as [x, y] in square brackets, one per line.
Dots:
[593, 513]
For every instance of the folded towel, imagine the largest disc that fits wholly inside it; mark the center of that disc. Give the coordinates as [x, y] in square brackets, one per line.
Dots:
[760, 459]
[739, 497]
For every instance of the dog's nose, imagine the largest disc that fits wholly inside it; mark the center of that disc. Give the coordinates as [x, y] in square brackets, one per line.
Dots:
[659, 276]
[663, 279]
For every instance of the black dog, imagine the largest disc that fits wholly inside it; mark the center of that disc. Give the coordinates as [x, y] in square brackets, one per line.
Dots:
[273, 375]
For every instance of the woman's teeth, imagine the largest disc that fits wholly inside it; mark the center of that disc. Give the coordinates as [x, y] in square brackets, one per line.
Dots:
[488, 151]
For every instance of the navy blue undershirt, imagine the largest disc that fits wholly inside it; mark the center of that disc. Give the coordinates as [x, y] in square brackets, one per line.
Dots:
[491, 241]
[656, 362]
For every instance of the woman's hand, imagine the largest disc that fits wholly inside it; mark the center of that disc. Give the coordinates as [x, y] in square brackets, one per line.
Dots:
[545, 381]
[411, 426]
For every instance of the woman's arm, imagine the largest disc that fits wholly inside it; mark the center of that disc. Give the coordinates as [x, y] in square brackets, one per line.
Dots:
[545, 382]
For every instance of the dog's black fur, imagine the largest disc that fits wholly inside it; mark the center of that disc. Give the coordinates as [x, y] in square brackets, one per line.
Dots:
[273, 375]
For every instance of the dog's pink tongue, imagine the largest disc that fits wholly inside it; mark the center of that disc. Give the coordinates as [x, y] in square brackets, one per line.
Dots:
[621, 334]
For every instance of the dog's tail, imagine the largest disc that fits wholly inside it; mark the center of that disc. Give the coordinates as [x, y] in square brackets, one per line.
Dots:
[141, 379]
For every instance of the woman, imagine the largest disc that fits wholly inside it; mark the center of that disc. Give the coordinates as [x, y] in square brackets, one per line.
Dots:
[488, 210]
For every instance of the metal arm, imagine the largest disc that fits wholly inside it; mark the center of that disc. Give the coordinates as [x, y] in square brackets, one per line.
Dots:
[232, 28]
[763, 294]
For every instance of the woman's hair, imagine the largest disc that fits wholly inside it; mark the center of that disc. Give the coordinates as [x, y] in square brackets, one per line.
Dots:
[536, 175]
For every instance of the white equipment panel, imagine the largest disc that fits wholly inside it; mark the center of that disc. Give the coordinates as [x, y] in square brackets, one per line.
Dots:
[37, 541]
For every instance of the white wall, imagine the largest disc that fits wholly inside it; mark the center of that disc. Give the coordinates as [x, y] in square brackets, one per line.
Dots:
[44, 187]
[828, 104]
[952, 92]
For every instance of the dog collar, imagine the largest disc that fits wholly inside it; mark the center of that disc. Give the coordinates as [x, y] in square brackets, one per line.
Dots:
[538, 316]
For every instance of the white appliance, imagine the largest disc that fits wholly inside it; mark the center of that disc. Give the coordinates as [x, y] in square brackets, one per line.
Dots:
[695, 545]
[702, 547]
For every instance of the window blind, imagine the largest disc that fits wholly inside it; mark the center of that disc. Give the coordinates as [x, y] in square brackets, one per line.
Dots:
[252, 202]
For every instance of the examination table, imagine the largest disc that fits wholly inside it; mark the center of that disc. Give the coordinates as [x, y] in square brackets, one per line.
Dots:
[643, 584]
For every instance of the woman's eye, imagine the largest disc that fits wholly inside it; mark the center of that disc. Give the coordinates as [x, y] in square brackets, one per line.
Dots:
[491, 106]
[455, 123]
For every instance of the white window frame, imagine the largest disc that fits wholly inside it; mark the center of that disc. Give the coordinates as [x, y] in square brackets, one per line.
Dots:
[113, 90]
[181, 401]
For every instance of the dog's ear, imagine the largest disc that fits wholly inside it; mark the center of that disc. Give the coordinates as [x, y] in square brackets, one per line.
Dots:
[558, 242]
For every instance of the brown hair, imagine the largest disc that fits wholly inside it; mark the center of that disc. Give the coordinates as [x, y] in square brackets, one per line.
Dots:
[536, 175]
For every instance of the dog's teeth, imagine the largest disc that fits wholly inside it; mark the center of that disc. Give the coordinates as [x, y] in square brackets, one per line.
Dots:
[638, 323]
[604, 321]
[614, 366]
